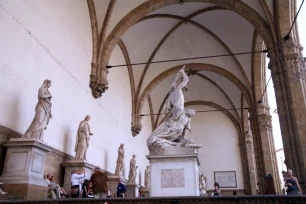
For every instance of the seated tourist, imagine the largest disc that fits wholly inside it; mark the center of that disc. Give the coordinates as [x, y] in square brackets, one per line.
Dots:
[54, 188]
[217, 191]
[76, 180]
[63, 192]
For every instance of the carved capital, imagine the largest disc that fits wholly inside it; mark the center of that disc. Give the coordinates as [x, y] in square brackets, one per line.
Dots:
[264, 121]
[136, 129]
[295, 68]
[98, 86]
[98, 80]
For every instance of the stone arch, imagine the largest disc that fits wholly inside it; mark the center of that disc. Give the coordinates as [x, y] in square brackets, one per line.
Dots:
[218, 107]
[144, 9]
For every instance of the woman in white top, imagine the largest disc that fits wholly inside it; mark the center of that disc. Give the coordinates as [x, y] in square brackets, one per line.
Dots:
[76, 180]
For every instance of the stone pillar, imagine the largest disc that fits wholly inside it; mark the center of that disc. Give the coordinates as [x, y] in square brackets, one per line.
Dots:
[132, 190]
[70, 165]
[23, 172]
[251, 162]
[288, 74]
[267, 142]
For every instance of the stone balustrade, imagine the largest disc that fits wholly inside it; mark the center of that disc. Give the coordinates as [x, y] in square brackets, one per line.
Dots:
[275, 199]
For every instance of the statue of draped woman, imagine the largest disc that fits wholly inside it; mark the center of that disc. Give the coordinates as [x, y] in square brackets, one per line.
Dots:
[173, 131]
[119, 166]
[42, 113]
[133, 170]
[82, 139]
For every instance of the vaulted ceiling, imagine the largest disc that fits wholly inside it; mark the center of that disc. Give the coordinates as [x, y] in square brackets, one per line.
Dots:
[190, 30]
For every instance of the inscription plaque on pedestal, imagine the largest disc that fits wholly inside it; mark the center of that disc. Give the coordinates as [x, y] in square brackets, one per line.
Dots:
[172, 178]
[226, 179]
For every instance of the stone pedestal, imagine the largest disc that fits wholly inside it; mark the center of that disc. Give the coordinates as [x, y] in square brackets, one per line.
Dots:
[23, 172]
[132, 190]
[144, 192]
[70, 165]
[113, 183]
[174, 173]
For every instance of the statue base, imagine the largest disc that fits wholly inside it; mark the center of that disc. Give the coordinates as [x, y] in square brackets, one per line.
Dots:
[132, 190]
[113, 183]
[174, 172]
[144, 192]
[23, 172]
[70, 165]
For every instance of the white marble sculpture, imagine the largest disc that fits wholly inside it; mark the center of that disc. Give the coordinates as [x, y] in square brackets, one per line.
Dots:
[173, 131]
[120, 159]
[42, 113]
[202, 184]
[133, 170]
[82, 139]
[147, 177]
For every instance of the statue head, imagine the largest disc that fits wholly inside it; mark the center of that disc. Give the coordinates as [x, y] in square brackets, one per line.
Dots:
[121, 145]
[289, 172]
[47, 83]
[147, 167]
[87, 117]
[134, 156]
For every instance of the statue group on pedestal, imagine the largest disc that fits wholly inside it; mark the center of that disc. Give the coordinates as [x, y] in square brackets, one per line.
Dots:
[173, 131]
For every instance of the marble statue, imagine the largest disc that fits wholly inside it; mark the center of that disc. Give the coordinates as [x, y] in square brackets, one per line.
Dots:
[173, 131]
[133, 170]
[82, 139]
[202, 184]
[42, 113]
[147, 177]
[119, 166]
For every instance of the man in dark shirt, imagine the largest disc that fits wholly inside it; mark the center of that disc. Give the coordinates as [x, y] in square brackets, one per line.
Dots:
[121, 190]
[99, 183]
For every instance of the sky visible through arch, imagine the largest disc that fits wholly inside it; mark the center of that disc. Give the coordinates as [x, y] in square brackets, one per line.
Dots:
[270, 89]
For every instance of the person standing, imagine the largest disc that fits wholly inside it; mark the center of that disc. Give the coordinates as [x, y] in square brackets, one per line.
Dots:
[121, 190]
[99, 183]
[76, 180]
[293, 184]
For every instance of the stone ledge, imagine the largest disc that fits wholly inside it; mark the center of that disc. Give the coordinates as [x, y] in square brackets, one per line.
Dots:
[275, 199]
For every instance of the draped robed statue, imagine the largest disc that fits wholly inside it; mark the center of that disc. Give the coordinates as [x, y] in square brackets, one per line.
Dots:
[173, 131]
[42, 113]
[133, 170]
[82, 139]
[120, 159]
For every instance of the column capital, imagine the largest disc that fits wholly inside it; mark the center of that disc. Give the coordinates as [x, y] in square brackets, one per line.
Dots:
[265, 121]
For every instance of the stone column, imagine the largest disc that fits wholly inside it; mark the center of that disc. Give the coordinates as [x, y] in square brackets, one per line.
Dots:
[251, 162]
[23, 172]
[288, 74]
[267, 142]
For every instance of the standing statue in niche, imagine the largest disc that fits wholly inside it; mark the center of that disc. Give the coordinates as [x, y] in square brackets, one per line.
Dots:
[42, 113]
[133, 170]
[119, 166]
[202, 184]
[147, 177]
[173, 131]
[82, 139]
